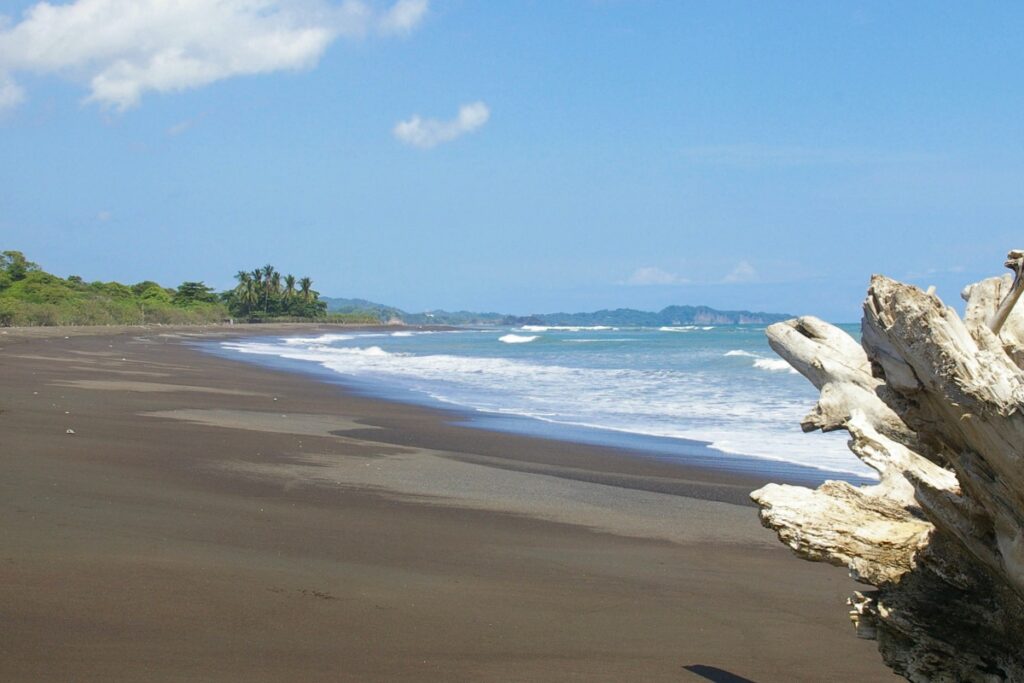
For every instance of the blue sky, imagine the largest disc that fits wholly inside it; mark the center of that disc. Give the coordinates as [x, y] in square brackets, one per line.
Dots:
[518, 156]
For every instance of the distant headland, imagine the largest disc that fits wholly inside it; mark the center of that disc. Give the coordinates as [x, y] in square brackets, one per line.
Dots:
[619, 317]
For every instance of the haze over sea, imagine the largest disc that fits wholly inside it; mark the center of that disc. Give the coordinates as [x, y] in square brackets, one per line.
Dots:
[652, 389]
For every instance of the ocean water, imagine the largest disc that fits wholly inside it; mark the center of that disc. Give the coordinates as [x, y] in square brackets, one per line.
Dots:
[721, 386]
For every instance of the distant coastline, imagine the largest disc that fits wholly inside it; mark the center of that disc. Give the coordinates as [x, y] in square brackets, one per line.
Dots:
[619, 317]
[30, 296]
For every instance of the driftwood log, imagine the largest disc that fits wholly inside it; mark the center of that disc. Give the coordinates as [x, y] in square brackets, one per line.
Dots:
[935, 404]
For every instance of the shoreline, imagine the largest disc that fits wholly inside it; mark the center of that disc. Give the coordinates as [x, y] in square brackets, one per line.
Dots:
[692, 453]
[209, 518]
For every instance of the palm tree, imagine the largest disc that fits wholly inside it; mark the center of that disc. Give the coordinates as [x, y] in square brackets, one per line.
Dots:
[275, 286]
[250, 296]
[268, 274]
[289, 289]
[306, 288]
[244, 290]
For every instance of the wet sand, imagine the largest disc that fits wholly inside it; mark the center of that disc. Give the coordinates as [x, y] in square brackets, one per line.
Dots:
[209, 519]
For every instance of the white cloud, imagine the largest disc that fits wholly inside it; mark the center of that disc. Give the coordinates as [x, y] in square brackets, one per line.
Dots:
[651, 275]
[743, 272]
[122, 49]
[427, 133]
[403, 17]
[11, 94]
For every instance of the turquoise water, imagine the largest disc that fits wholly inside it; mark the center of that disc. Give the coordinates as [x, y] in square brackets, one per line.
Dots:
[720, 385]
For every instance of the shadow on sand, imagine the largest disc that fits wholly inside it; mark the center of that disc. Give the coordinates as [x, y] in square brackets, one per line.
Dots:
[715, 674]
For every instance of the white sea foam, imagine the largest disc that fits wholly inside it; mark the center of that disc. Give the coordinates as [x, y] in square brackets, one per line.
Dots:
[774, 365]
[369, 351]
[740, 352]
[401, 334]
[726, 405]
[516, 339]
[797, 447]
[322, 339]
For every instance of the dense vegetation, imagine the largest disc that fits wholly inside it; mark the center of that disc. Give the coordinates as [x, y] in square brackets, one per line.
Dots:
[264, 293]
[31, 296]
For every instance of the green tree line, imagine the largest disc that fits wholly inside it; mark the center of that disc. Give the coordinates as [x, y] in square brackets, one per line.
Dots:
[31, 296]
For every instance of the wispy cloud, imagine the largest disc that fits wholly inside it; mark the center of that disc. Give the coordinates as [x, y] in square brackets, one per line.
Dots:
[183, 126]
[652, 275]
[104, 216]
[427, 133]
[121, 49]
[180, 127]
[916, 275]
[742, 272]
[11, 94]
[403, 17]
[751, 156]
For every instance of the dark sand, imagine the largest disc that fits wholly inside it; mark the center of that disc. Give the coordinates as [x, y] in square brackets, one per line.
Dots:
[214, 520]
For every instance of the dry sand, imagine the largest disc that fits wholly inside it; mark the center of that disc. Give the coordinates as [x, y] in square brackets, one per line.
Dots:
[213, 520]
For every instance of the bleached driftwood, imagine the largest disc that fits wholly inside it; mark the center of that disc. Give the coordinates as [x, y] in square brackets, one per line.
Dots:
[934, 404]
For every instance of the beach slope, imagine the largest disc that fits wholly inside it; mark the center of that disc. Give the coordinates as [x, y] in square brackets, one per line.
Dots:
[169, 514]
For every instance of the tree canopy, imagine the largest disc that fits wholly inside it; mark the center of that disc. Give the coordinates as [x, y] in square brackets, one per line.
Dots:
[31, 296]
[264, 293]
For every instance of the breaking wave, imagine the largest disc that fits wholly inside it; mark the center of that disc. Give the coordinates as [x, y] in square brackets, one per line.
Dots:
[774, 365]
[665, 386]
[517, 339]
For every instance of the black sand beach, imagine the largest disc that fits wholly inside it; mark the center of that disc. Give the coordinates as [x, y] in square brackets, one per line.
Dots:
[206, 519]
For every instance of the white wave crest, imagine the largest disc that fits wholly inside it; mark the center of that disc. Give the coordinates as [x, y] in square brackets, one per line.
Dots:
[681, 328]
[716, 405]
[773, 365]
[401, 334]
[516, 339]
[741, 352]
[322, 339]
[371, 351]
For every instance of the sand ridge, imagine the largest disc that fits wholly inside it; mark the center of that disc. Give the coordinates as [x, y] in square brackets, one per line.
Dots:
[432, 477]
[147, 387]
[259, 421]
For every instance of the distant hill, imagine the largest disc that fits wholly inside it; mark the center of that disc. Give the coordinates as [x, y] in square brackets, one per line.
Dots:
[620, 317]
[386, 313]
[669, 316]
[341, 305]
